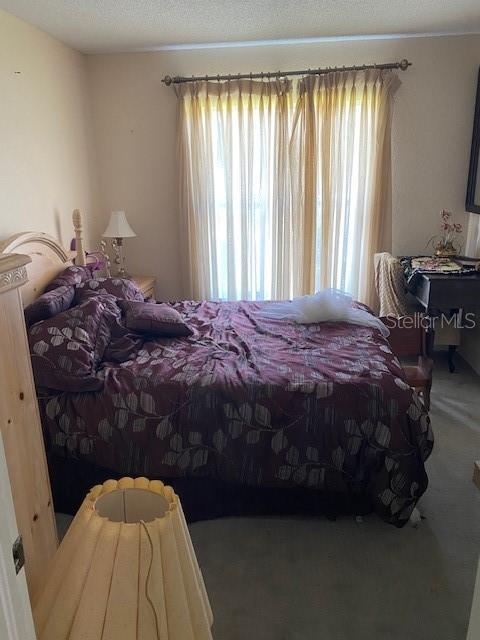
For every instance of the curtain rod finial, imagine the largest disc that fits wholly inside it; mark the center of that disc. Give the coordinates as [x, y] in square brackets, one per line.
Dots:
[404, 64]
[167, 80]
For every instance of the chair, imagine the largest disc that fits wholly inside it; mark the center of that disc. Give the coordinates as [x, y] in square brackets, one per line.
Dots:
[395, 301]
[408, 337]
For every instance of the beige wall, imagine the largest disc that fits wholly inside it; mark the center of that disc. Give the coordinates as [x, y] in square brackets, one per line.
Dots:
[134, 128]
[98, 132]
[134, 118]
[46, 156]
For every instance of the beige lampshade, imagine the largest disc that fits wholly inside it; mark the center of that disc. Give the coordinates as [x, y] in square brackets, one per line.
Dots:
[118, 226]
[126, 570]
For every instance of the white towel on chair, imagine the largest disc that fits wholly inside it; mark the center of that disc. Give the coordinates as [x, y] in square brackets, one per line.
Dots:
[390, 285]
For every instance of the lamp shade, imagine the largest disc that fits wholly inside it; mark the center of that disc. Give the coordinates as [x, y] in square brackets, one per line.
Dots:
[118, 226]
[126, 570]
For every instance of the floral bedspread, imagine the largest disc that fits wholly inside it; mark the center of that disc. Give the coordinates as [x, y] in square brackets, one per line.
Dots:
[258, 402]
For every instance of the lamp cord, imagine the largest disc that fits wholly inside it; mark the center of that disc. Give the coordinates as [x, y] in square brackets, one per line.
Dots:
[147, 582]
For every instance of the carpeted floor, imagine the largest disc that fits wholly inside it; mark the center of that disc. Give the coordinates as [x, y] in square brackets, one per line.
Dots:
[313, 579]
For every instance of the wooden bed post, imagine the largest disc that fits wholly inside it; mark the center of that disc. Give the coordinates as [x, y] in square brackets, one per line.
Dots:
[77, 224]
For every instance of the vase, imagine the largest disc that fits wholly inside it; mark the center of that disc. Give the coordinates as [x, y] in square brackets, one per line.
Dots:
[445, 250]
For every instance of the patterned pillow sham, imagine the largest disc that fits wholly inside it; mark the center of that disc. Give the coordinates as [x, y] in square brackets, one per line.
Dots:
[120, 288]
[49, 304]
[67, 349]
[154, 319]
[70, 276]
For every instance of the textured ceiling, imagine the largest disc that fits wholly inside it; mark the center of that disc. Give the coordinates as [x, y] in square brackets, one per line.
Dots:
[129, 25]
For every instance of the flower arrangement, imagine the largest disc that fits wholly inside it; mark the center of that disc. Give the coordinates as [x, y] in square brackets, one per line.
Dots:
[445, 246]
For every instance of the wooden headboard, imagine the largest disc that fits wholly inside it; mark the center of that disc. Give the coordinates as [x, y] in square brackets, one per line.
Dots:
[48, 257]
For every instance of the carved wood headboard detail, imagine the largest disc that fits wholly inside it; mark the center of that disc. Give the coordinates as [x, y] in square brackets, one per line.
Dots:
[48, 257]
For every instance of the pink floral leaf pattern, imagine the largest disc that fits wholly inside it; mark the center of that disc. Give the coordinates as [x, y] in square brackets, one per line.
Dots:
[81, 334]
[352, 428]
[279, 441]
[300, 474]
[184, 460]
[194, 437]
[382, 434]
[200, 458]
[312, 454]
[54, 331]
[118, 401]
[245, 412]
[164, 428]
[132, 401]
[170, 458]
[105, 429]
[65, 363]
[229, 410]
[139, 424]
[316, 477]
[121, 418]
[147, 402]
[262, 415]
[219, 440]
[292, 456]
[176, 442]
[284, 472]
[52, 408]
[338, 457]
[40, 347]
[243, 400]
[353, 445]
[235, 429]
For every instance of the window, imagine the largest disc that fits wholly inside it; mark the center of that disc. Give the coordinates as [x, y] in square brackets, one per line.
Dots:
[285, 187]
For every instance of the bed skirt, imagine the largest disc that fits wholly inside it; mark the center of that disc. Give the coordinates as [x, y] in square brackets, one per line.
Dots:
[205, 498]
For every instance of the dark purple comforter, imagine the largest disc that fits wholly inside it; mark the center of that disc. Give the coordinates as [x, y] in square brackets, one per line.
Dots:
[257, 402]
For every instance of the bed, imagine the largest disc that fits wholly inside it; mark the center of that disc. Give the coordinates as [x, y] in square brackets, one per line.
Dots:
[247, 415]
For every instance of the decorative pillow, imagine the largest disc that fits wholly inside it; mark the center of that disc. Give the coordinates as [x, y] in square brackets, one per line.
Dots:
[67, 349]
[121, 288]
[49, 304]
[157, 319]
[70, 276]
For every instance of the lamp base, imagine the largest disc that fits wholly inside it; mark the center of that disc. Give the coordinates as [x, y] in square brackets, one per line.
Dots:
[119, 258]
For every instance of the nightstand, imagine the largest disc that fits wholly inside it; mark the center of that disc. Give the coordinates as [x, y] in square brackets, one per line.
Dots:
[146, 284]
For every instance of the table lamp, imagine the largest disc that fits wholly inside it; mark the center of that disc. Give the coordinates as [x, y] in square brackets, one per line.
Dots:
[125, 569]
[118, 228]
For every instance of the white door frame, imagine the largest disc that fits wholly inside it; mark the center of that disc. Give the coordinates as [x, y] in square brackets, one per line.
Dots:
[15, 613]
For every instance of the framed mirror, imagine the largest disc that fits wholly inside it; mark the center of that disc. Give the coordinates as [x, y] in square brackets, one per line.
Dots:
[472, 202]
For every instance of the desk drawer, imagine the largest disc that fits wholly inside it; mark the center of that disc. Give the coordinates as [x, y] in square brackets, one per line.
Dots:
[444, 294]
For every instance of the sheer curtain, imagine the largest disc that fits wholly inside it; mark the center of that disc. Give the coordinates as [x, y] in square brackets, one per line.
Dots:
[285, 188]
[235, 188]
[341, 169]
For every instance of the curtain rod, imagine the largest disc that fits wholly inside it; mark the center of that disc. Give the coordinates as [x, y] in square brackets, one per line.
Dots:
[403, 65]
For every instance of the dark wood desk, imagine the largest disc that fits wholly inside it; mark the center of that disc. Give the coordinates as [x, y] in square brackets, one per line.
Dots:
[447, 294]
[439, 293]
